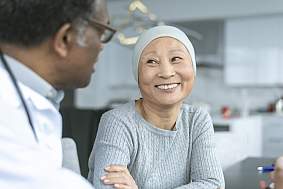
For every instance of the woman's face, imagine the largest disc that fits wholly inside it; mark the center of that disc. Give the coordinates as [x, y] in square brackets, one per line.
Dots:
[166, 73]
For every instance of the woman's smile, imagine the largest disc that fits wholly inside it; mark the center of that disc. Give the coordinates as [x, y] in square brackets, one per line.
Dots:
[169, 87]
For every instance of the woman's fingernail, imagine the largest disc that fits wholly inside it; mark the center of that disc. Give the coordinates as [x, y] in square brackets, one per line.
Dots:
[107, 168]
[103, 177]
[106, 181]
[116, 185]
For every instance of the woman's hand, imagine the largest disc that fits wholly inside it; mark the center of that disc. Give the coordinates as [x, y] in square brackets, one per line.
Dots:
[119, 177]
[277, 175]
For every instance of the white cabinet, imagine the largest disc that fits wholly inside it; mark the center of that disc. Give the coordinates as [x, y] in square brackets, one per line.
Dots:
[254, 51]
[272, 135]
[241, 141]
[253, 136]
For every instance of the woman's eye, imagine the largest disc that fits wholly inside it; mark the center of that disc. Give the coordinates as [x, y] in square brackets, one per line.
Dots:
[176, 59]
[151, 61]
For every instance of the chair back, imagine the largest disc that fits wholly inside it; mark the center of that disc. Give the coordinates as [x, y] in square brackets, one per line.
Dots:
[70, 155]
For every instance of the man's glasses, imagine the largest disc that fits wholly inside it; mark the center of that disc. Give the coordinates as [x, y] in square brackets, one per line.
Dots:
[108, 30]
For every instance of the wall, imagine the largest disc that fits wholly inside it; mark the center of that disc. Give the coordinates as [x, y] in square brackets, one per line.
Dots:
[202, 9]
[211, 89]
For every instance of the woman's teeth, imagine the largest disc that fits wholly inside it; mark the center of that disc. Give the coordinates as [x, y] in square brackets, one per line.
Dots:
[167, 86]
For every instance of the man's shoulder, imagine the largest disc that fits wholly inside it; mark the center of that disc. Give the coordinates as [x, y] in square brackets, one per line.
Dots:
[8, 112]
[7, 90]
[9, 94]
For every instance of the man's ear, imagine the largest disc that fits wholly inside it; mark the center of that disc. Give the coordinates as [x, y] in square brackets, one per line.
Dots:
[63, 40]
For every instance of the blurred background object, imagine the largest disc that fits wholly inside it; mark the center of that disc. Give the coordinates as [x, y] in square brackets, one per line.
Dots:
[279, 105]
[138, 19]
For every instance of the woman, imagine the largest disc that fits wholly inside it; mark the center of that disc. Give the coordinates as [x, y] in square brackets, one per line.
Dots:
[157, 141]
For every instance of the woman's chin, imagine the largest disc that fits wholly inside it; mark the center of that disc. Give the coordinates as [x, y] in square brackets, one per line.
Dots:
[170, 101]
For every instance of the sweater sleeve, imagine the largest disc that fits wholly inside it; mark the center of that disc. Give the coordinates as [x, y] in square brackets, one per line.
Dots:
[113, 145]
[206, 172]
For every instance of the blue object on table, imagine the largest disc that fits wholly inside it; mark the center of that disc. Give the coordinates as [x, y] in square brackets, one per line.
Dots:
[265, 169]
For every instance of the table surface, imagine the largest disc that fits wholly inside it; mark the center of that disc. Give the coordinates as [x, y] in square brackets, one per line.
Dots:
[244, 175]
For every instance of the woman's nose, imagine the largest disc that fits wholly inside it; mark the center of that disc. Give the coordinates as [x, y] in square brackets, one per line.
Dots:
[166, 70]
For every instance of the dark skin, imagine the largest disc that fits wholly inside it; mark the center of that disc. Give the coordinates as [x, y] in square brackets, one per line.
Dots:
[59, 59]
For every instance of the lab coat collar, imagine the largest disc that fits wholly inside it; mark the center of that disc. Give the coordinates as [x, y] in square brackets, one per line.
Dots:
[30, 79]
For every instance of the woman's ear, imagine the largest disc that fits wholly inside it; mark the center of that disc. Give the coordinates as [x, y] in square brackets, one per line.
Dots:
[62, 40]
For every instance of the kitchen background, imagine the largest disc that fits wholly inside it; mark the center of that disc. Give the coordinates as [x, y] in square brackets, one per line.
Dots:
[238, 54]
[239, 48]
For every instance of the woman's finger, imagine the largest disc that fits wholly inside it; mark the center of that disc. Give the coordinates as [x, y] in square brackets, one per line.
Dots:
[116, 168]
[122, 186]
[115, 175]
[116, 178]
[119, 177]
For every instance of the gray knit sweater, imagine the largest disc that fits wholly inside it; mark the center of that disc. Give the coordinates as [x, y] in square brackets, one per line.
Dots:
[157, 158]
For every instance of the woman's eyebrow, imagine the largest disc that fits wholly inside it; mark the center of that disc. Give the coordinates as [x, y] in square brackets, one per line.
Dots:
[150, 52]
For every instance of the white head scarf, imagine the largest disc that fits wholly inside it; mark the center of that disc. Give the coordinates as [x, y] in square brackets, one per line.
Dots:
[157, 32]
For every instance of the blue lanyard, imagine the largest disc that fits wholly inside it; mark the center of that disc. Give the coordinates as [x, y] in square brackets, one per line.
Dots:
[14, 81]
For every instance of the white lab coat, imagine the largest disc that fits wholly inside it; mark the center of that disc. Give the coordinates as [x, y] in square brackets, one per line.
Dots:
[24, 163]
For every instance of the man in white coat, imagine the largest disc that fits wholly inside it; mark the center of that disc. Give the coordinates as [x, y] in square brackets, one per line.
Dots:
[46, 46]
